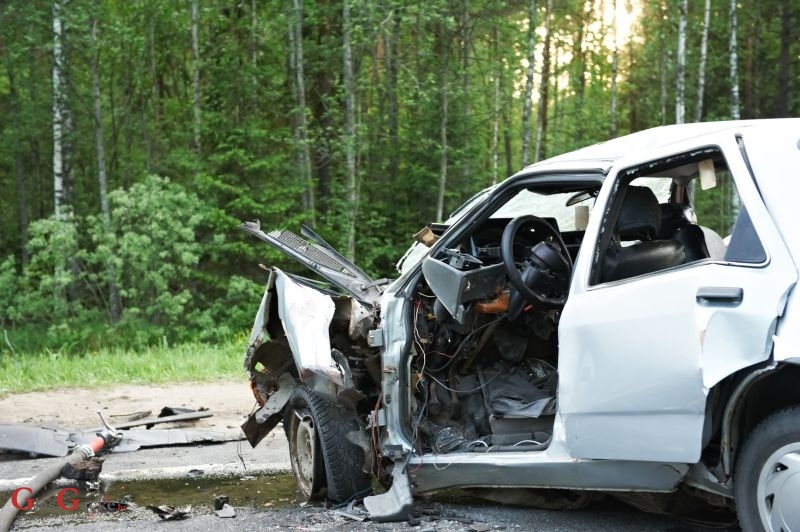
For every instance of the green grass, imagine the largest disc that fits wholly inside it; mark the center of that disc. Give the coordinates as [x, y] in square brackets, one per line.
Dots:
[151, 365]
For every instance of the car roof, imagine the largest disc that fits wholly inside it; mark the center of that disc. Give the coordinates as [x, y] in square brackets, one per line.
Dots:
[603, 154]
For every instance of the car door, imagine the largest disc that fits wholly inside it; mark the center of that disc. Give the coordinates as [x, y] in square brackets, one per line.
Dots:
[637, 356]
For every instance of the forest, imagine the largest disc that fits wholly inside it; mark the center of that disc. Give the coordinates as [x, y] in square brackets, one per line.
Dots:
[138, 135]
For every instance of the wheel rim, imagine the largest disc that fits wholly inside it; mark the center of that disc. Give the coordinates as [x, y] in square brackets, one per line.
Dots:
[779, 490]
[303, 452]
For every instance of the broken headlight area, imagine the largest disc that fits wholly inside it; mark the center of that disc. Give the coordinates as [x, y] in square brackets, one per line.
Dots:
[304, 336]
[487, 384]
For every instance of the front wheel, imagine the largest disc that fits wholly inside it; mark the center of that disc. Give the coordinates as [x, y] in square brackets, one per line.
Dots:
[767, 476]
[321, 448]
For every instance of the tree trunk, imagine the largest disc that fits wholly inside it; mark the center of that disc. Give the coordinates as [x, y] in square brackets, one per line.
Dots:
[295, 28]
[465, 87]
[680, 75]
[784, 60]
[578, 73]
[614, 62]
[151, 141]
[662, 75]
[735, 106]
[19, 165]
[196, 77]
[527, 97]
[391, 96]
[734, 62]
[496, 104]
[19, 169]
[444, 89]
[701, 73]
[114, 309]
[544, 87]
[61, 205]
[63, 150]
[350, 132]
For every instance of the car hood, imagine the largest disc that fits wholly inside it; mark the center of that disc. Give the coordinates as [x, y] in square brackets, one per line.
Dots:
[320, 257]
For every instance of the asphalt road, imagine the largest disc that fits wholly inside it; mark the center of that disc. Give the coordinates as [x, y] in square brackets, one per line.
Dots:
[261, 490]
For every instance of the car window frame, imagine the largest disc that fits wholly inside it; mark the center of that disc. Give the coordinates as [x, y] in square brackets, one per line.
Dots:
[622, 178]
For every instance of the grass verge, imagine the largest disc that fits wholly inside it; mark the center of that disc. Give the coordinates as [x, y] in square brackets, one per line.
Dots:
[152, 365]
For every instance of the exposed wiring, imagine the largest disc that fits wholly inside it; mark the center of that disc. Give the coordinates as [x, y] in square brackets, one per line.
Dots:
[463, 391]
[526, 441]
[463, 343]
[418, 339]
[373, 434]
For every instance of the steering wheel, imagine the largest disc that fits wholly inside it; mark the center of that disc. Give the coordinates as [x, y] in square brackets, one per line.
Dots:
[543, 277]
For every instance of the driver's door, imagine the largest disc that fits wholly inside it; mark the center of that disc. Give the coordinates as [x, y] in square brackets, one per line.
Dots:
[638, 356]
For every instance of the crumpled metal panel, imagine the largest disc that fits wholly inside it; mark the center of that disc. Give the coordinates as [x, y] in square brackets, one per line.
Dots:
[306, 315]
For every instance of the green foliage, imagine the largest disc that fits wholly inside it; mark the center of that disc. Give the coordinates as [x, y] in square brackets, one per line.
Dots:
[107, 367]
[154, 249]
[43, 289]
[183, 268]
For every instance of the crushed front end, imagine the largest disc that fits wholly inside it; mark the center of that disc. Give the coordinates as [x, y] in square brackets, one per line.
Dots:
[303, 335]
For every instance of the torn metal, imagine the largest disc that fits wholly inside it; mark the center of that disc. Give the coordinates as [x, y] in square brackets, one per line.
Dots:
[56, 441]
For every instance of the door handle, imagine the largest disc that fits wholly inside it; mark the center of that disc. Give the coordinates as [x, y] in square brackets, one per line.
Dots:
[720, 295]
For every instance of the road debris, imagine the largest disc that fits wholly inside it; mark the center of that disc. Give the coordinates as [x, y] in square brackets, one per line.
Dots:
[34, 440]
[133, 416]
[220, 501]
[352, 512]
[51, 440]
[170, 513]
[226, 511]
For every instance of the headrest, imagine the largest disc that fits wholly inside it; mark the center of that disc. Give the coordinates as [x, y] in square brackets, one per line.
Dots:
[673, 217]
[640, 216]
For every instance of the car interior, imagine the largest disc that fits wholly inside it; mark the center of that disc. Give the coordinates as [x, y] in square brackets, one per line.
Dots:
[486, 311]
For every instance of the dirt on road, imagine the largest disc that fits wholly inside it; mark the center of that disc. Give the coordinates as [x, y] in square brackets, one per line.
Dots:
[75, 408]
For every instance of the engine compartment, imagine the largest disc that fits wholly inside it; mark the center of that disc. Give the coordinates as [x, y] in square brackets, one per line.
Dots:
[490, 383]
[482, 377]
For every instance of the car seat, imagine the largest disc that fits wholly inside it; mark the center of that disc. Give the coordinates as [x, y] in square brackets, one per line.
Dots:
[639, 220]
[678, 221]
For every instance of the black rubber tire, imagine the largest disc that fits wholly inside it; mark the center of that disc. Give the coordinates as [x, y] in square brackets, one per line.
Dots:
[343, 460]
[774, 432]
[305, 451]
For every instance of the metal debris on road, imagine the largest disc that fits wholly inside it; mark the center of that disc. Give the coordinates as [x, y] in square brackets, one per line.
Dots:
[170, 513]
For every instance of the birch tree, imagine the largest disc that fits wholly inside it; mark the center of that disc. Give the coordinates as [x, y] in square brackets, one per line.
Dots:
[295, 29]
[62, 122]
[544, 86]
[733, 56]
[527, 96]
[735, 114]
[444, 89]
[614, 62]
[465, 81]
[680, 75]
[350, 131]
[701, 73]
[498, 73]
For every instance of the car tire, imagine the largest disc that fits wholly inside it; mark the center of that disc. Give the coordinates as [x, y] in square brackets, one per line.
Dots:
[321, 454]
[767, 475]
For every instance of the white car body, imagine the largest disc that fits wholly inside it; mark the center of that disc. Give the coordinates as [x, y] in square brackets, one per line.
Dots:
[661, 374]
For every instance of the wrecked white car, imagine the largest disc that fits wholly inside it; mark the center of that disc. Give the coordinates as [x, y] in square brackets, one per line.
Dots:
[586, 325]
